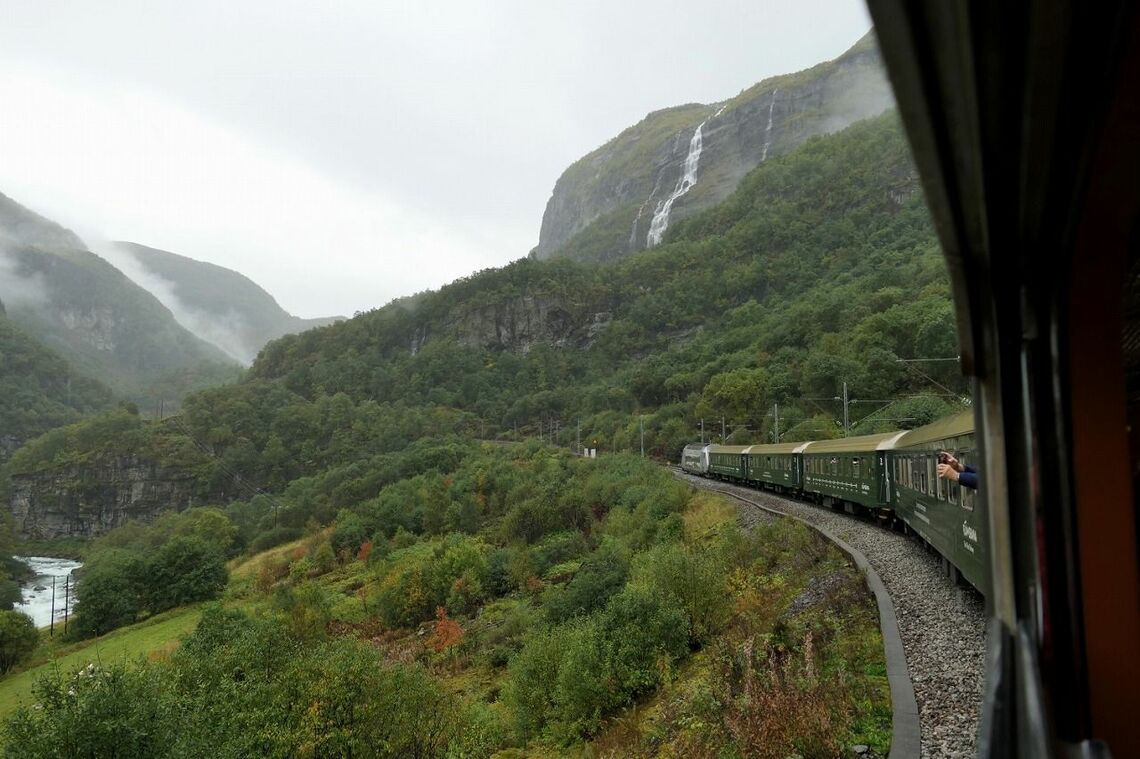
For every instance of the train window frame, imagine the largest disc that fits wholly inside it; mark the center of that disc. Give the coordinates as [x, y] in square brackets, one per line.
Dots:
[941, 491]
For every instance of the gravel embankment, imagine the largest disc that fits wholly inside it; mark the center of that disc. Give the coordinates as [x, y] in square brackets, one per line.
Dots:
[942, 627]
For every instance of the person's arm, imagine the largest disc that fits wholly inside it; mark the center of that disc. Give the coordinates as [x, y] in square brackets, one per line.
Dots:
[968, 477]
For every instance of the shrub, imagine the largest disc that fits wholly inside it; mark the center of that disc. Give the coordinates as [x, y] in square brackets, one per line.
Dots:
[528, 692]
[18, 638]
[643, 636]
[273, 538]
[109, 593]
[601, 575]
[100, 711]
[183, 571]
[350, 532]
[307, 609]
[692, 580]
[509, 568]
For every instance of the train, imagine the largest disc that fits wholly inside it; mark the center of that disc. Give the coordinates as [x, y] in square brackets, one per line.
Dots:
[891, 476]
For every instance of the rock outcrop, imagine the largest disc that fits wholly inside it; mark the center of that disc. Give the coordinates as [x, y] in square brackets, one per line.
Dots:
[88, 500]
[605, 204]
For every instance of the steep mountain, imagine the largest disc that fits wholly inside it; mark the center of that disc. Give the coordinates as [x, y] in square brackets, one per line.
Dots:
[85, 310]
[623, 196]
[821, 268]
[217, 304]
[38, 390]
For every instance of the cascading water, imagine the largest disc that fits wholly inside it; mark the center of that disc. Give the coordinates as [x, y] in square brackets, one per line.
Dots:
[641, 210]
[660, 221]
[768, 131]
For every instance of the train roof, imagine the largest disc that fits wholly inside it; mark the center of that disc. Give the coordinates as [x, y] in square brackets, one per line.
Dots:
[729, 448]
[947, 427]
[773, 448]
[857, 444]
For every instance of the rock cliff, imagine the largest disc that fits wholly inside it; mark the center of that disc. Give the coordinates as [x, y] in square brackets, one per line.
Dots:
[623, 196]
[88, 500]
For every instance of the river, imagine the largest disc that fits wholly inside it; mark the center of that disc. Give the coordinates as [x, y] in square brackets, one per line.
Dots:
[37, 603]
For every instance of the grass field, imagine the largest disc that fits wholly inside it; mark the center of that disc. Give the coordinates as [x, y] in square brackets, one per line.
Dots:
[156, 634]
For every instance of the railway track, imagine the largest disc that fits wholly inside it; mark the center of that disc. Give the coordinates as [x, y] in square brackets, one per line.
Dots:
[939, 628]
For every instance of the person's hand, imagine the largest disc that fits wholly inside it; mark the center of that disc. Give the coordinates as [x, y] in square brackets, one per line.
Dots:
[948, 458]
[948, 472]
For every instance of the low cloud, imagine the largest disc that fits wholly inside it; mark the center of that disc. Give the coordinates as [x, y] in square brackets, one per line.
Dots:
[226, 331]
[20, 289]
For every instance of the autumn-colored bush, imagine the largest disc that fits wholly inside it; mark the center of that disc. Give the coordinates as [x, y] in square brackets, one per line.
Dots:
[446, 633]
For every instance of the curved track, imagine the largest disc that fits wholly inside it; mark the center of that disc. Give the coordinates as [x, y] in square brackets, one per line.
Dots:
[938, 629]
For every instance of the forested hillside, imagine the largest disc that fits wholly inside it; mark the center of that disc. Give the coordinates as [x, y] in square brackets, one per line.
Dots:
[493, 598]
[104, 325]
[217, 304]
[821, 269]
[38, 390]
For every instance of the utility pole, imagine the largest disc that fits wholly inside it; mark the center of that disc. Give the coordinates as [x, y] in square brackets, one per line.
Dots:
[51, 629]
[642, 420]
[578, 438]
[66, 601]
[722, 429]
[777, 424]
[846, 425]
[702, 432]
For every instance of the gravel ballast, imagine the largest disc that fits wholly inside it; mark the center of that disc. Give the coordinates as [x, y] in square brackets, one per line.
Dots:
[942, 626]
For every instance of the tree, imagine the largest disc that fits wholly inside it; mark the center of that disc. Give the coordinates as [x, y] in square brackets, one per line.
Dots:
[18, 638]
[110, 593]
[183, 571]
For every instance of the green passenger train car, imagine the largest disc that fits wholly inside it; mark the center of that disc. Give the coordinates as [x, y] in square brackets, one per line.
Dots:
[728, 461]
[945, 514]
[850, 470]
[777, 465]
[892, 474]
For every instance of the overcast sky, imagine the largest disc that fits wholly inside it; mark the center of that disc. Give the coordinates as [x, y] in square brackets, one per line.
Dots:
[345, 153]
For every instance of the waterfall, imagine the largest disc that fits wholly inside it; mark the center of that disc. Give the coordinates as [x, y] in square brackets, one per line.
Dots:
[660, 221]
[641, 210]
[768, 131]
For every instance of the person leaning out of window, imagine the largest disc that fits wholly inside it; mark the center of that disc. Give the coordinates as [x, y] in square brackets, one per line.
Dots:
[950, 468]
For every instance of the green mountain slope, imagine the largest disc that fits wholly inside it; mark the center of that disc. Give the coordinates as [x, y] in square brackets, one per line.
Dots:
[821, 269]
[831, 240]
[606, 204]
[100, 322]
[217, 304]
[38, 390]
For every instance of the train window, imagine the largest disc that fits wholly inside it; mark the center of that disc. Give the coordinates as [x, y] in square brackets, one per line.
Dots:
[968, 496]
[855, 466]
